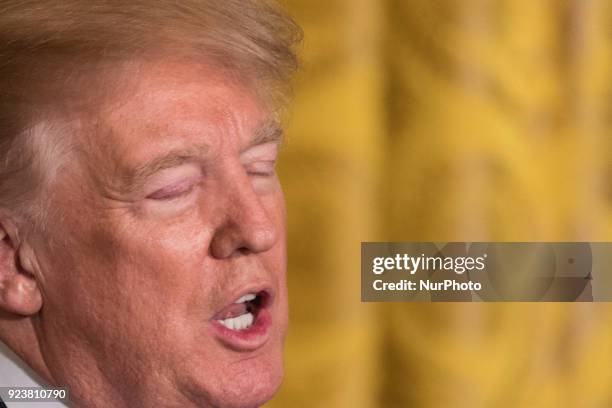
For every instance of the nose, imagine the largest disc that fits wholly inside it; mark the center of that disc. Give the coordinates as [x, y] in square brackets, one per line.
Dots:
[247, 226]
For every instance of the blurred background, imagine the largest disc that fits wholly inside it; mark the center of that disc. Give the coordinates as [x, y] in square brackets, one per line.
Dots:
[452, 120]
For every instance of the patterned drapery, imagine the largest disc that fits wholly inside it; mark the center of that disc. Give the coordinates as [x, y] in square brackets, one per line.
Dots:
[452, 120]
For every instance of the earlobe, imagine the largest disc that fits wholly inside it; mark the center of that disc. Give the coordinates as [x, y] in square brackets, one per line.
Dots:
[19, 291]
[20, 295]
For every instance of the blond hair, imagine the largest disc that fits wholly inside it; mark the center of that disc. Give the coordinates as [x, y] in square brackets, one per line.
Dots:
[45, 45]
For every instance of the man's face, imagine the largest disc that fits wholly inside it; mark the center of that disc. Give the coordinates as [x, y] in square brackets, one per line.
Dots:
[167, 213]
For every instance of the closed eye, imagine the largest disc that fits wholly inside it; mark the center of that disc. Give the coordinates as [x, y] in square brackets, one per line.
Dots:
[174, 191]
[264, 168]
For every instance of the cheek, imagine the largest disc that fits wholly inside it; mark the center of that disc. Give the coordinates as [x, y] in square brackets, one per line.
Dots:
[109, 276]
[165, 266]
[280, 220]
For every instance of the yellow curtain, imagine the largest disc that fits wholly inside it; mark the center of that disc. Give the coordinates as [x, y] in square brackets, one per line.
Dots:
[453, 120]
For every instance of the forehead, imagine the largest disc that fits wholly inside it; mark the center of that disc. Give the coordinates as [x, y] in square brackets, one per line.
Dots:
[173, 105]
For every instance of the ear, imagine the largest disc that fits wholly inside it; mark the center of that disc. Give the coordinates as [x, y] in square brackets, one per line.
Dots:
[19, 291]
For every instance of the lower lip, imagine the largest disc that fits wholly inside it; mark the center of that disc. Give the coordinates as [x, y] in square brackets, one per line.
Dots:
[249, 339]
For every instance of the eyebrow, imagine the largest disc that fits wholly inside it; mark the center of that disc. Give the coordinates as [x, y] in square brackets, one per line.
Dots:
[137, 177]
[268, 132]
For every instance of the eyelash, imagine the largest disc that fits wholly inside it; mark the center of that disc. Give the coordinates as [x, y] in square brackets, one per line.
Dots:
[173, 192]
[178, 191]
[268, 173]
[261, 173]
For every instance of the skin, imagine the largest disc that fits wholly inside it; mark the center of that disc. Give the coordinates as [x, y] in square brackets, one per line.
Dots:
[115, 298]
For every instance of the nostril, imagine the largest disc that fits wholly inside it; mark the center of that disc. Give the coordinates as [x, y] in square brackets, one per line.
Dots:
[243, 251]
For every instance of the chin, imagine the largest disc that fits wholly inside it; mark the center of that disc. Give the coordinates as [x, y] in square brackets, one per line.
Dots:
[246, 383]
[254, 391]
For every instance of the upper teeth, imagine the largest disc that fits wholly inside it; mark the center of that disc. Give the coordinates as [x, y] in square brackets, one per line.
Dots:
[239, 322]
[246, 298]
[243, 321]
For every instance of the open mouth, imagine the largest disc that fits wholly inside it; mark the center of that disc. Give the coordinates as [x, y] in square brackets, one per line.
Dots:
[246, 324]
[243, 313]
